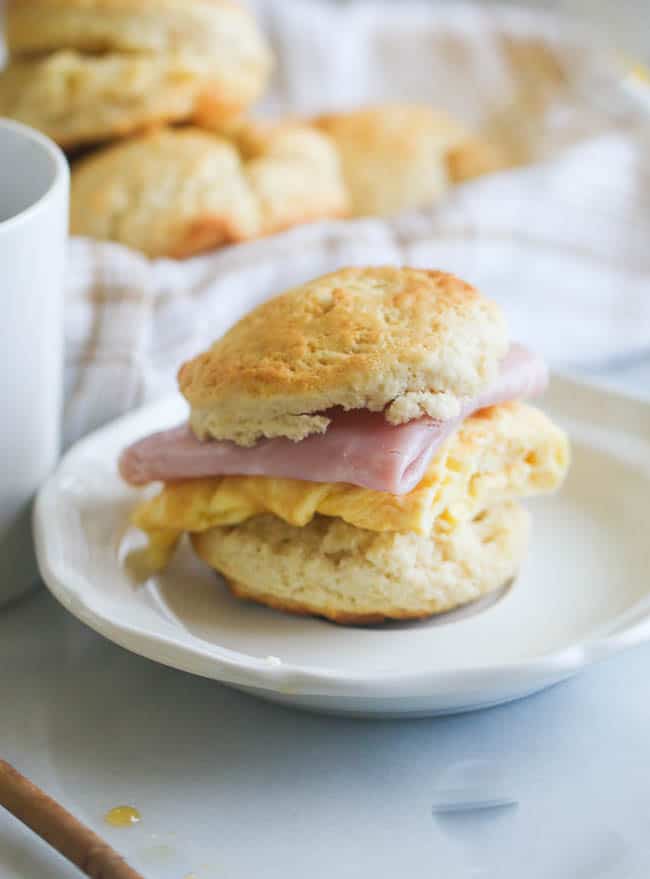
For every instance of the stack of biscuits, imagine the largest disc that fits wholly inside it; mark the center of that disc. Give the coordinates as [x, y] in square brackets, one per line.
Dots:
[153, 95]
[86, 71]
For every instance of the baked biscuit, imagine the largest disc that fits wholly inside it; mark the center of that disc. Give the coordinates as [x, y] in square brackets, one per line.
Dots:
[84, 71]
[348, 575]
[409, 341]
[171, 193]
[37, 26]
[294, 171]
[402, 156]
[393, 156]
[177, 192]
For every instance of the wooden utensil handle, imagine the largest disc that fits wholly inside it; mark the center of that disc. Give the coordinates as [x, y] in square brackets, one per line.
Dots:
[59, 828]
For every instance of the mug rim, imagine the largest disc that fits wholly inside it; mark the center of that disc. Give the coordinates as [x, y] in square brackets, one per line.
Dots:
[60, 175]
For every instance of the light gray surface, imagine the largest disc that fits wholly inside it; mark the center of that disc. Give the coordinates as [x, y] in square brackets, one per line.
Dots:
[276, 794]
[232, 787]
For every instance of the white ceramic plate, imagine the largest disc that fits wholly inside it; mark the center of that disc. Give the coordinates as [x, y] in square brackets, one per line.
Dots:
[583, 594]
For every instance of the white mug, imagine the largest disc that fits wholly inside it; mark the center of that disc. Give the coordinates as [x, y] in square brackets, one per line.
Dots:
[34, 183]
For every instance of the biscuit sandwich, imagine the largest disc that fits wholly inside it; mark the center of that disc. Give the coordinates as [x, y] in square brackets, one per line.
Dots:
[85, 71]
[357, 448]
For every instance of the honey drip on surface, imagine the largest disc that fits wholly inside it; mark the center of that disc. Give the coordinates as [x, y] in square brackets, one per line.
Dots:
[122, 816]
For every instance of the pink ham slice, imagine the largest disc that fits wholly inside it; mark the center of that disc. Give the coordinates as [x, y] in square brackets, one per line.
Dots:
[359, 447]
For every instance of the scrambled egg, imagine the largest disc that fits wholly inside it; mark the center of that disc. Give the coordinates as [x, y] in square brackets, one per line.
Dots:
[497, 455]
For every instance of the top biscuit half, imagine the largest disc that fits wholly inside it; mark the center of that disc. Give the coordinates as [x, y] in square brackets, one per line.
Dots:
[84, 71]
[408, 342]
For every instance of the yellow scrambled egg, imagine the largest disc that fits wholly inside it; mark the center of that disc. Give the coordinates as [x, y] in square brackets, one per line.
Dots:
[503, 453]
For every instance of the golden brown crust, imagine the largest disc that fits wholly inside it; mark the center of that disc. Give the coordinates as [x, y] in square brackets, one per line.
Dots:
[331, 569]
[313, 216]
[36, 26]
[205, 233]
[393, 155]
[363, 338]
[169, 193]
[475, 157]
[298, 608]
[401, 156]
[72, 98]
[294, 171]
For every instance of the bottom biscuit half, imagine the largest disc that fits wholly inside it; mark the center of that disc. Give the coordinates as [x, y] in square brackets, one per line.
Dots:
[349, 575]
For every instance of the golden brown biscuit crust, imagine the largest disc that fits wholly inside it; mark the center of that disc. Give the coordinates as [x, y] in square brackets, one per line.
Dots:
[300, 608]
[393, 156]
[475, 157]
[403, 156]
[412, 340]
[121, 25]
[348, 575]
[170, 193]
[294, 171]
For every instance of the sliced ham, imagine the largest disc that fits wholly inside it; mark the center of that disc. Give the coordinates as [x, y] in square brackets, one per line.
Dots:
[358, 447]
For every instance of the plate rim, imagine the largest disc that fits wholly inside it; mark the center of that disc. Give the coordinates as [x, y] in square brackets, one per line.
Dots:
[194, 655]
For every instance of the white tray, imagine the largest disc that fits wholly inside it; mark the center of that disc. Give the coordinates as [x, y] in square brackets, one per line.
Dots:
[583, 594]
